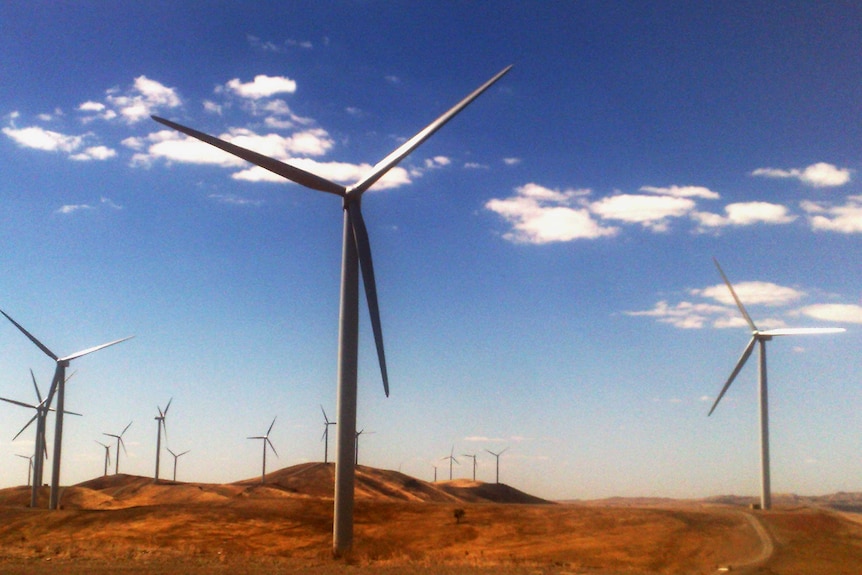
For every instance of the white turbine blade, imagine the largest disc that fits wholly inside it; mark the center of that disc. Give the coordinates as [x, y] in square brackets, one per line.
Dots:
[184, 452]
[72, 413]
[256, 437]
[123, 444]
[363, 248]
[742, 359]
[167, 407]
[38, 394]
[735, 297]
[21, 403]
[31, 337]
[287, 171]
[802, 331]
[26, 425]
[270, 426]
[93, 349]
[407, 147]
[271, 446]
[326, 419]
[126, 428]
[171, 452]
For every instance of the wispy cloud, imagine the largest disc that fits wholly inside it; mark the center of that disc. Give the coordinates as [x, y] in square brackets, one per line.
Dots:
[819, 175]
[234, 200]
[846, 219]
[262, 86]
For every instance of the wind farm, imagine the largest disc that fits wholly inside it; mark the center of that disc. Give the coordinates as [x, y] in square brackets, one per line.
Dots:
[542, 296]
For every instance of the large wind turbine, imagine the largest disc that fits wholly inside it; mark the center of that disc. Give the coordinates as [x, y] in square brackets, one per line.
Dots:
[176, 457]
[58, 386]
[451, 458]
[356, 446]
[107, 456]
[473, 457]
[326, 424]
[41, 448]
[266, 441]
[160, 425]
[120, 443]
[356, 254]
[497, 457]
[761, 337]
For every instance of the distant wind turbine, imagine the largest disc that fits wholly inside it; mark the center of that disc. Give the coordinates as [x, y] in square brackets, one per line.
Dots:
[452, 460]
[435, 472]
[761, 337]
[266, 442]
[120, 443]
[160, 425]
[176, 457]
[40, 452]
[473, 457]
[356, 254]
[356, 445]
[29, 459]
[107, 455]
[58, 386]
[326, 424]
[497, 457]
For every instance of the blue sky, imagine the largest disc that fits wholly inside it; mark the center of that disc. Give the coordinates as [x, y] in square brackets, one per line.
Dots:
[543, 262]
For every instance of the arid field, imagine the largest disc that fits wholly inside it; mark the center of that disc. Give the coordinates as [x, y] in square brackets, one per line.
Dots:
[128, 524]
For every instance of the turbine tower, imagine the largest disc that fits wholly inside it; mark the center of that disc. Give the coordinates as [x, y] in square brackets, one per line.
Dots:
[356, 255]
[473, 457]
[326, 424]
[451, 458]
[120, 442]
[160, 425]
[58, 386]
[40, 452]
[107, 456]
[176, 457]
[266, 442]
[761, 337]
[497, 457]
[356, 446]
[29, 459]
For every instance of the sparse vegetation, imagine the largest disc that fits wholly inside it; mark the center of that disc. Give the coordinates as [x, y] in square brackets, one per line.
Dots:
[459, 515]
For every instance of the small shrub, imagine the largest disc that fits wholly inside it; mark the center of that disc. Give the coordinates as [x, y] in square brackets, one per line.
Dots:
[459, 515]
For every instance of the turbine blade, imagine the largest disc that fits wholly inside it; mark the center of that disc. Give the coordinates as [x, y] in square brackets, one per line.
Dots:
[126, 428]
[21, 403]
[271, 446]
[735, 297]
[270, 426]
[184, 452]
[38, 394]
[803, 331]
[32, 419]
[742, 359]
[287, 171]
[93, 349]
[363, 247]
[32, 338]
[168, 406]
[123, 444]
[72, 413]
[326, 419]
[390, 161]
[171, 452]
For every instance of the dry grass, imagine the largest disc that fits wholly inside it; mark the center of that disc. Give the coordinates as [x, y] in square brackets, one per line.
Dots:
[129, 525]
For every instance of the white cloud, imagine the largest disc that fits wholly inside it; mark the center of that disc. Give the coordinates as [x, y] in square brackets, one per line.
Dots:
[91, 107]
[511, 161]
[72, 208]
[234, 200]
[476, 166]
[262, 86]
[41, 139]
[540, 215]
[651, 212]
[752, 293]
[683, 192]
[745, 214]
[684, 315]
[846, 219]
[845, 313]
[94, 153]
[437, 162]
[819, 175]
[341, 172]
[145, 98]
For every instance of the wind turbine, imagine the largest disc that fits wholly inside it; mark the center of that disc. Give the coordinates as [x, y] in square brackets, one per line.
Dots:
[107, 456]
[29, 459]
[761, 337]
[451, 459]
[266, 441]
[435, 472]
[41, 448]
[356, 446]
[326, 424]
[356, 254]
[497, 457]
[160, 424]
[120, 442]
[58, 386]
[177, 456]
[473, 457]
